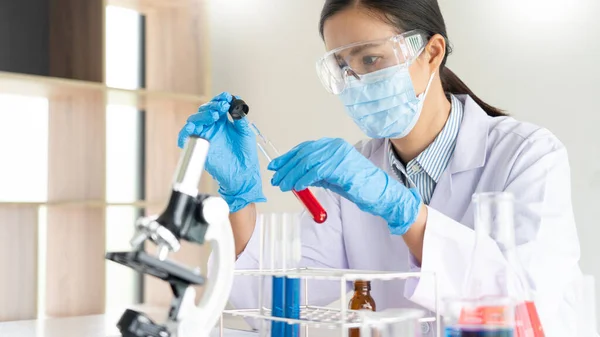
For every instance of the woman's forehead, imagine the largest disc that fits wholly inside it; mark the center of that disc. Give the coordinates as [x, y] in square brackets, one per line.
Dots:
[354, 25]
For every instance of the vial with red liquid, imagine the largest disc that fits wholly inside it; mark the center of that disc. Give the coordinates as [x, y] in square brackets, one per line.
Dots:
[494, 224]
[239, 109]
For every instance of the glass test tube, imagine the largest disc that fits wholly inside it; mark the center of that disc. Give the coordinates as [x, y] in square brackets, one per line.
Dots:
[306, 197]
[277, 254]
[281, 255]
[293, 255]
[239, 109]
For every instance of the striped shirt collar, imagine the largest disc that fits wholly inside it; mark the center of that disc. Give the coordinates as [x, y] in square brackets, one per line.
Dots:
[435, 158]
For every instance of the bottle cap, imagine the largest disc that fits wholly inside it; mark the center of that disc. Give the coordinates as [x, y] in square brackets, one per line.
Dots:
[360, 284]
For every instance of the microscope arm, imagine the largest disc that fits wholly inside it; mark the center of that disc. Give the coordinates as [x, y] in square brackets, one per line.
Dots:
[201, 320]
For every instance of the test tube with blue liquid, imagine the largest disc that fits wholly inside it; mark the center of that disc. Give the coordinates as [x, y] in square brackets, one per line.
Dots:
[293, 253]
[278, 281]
[281, 256]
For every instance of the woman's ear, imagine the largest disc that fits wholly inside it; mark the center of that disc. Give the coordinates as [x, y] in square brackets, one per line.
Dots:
[435, 51]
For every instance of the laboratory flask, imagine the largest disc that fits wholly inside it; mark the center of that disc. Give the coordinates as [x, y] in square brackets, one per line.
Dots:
[500, 274]
[482, 317]
[361, 300]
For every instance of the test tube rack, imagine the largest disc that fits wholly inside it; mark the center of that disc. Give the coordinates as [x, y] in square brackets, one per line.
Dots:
[337, 318]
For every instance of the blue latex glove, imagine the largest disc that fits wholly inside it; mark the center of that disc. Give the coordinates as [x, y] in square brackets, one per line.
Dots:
[232, 157]
[336, 165]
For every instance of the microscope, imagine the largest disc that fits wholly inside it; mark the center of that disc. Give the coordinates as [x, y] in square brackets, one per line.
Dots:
[195, 218]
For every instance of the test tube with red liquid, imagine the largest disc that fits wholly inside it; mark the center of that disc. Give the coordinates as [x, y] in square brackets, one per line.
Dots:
[239, 109]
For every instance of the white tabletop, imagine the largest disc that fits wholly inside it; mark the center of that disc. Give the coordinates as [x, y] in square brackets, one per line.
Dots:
[105, 326]
[93, 326]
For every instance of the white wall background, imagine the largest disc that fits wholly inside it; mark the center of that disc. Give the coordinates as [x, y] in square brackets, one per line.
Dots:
[538, 59]
[265, 51]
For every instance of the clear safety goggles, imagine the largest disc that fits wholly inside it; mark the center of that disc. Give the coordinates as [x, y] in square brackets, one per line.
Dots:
[355, 60]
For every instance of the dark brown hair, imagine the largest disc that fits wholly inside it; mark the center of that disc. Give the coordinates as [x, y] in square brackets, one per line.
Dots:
[407, 15]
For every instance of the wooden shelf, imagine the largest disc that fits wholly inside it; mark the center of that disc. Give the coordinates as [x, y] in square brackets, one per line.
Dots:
[84, 203]
[146, 5]
[177, 77]
[54, 88]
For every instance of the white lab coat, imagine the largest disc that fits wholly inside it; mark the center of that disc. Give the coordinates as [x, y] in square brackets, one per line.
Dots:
[491, 154]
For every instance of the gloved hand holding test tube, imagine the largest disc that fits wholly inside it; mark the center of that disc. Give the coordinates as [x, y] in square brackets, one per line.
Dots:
[238, 110]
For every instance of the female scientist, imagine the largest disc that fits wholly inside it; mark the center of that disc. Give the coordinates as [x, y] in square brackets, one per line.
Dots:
[401, 200]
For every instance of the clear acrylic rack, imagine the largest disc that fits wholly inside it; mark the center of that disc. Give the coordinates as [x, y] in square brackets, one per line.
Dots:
[337, 318]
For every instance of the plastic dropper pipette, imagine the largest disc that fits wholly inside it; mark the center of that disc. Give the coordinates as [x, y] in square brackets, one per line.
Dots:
[239, 109]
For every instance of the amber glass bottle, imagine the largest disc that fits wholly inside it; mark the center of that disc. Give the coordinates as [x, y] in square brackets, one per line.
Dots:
[361, 300]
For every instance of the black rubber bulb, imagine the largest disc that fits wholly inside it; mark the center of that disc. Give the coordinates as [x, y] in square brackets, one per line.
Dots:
[238, 109]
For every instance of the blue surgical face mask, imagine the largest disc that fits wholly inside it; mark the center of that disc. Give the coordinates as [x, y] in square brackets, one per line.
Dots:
[383, 103]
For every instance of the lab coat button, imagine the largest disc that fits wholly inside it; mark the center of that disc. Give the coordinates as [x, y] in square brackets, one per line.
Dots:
[425, 328]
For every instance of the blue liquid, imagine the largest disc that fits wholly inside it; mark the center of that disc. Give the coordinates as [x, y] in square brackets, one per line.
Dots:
[478, 332]
[278, 306]
[292, 305]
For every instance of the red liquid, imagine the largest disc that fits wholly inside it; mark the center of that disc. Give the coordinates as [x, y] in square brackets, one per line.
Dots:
[527, 321]
[312, 205]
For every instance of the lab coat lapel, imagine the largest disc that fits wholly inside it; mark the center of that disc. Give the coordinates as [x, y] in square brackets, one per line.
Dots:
[469, 154]
[471, 144]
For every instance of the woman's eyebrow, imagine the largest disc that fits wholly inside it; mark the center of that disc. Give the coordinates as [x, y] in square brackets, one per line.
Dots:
[356, 50]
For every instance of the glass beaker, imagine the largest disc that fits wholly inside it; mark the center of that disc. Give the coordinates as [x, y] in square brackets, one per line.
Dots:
[484, 317]
[393, 322]
[500, 273]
